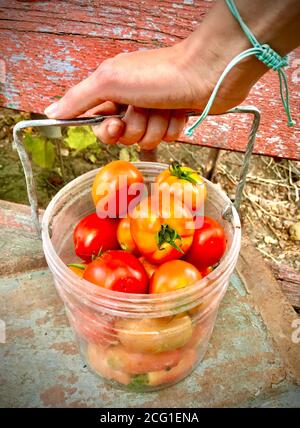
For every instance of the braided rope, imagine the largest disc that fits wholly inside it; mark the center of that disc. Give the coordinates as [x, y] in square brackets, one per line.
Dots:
[264, 53]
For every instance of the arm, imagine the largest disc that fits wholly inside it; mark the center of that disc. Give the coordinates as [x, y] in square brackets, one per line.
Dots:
[158, 86]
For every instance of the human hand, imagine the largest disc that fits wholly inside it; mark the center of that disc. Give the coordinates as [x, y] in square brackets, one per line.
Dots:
[157, 87]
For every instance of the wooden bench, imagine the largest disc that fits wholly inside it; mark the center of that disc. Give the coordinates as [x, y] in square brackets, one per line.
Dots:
[253, 358]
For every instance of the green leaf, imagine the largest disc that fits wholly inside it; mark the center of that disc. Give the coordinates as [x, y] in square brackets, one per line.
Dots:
[41, 150]
[79, 138]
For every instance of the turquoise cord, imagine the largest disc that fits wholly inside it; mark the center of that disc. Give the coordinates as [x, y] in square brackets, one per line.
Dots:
[265, 54]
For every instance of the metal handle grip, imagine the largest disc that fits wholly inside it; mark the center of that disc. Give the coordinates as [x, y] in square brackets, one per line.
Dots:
[26, 164]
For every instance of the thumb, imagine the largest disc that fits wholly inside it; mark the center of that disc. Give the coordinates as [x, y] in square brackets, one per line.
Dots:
[77, 100]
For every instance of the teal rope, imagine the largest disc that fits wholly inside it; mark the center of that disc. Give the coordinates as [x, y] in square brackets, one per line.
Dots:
[265, 54]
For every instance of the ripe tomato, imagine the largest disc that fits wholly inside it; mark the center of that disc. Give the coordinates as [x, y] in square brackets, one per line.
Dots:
[119, 271]
[77, 268]
[92, 327]
[149, 267]
[172, 276]
[154, 335]
[176, 373]
[119, 358]
[98, 362]
[93, 234]
[114, 187]
[184, 183]
[162, 230]
[124, 237]
[209, 244]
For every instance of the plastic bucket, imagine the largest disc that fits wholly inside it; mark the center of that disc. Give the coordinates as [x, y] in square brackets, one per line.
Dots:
[138, 342]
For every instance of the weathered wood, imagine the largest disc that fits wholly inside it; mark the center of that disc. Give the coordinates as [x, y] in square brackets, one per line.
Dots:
[46, 47]
[271, 303]
[289, 281]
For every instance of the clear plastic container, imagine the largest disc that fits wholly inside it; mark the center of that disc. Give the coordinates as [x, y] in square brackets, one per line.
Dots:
[138, 342]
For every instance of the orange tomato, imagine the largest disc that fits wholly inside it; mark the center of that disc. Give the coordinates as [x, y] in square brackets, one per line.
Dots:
[184, 183]
[162, 229]
[77, 268]
[172, 276]
[124, 237]
[114, 187]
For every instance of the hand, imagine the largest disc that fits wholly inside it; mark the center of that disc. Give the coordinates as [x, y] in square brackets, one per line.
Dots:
[158, 86]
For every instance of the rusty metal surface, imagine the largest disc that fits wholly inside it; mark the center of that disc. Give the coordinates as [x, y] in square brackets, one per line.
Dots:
[40, 365]
[65, 48]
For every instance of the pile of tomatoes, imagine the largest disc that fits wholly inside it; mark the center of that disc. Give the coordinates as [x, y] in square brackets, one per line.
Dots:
[145, 248]
[148, 252]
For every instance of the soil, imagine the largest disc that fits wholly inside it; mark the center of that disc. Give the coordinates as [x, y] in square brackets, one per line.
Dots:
[271, 201]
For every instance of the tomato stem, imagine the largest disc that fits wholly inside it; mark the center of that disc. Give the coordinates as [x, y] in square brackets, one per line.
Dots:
[77, 265]
[178, 171]
[168, 235]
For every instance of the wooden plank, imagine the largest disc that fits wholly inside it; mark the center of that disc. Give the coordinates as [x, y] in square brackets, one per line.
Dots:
[268, 299]
[44, 51]
[289, 281]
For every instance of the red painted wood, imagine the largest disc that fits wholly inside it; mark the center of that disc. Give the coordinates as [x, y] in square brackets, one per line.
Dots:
[46, 47]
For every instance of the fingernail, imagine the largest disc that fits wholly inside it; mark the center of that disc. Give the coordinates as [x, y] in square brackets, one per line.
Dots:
[51, 110]
[113, 129]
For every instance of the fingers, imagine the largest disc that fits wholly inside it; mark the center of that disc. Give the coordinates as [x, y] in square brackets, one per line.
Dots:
[136, 120]
[157, 126]
[147, 128]
[177, 123]
[109, 131]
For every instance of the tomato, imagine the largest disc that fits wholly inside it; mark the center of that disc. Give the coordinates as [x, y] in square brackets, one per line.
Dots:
[149, 267]
[98, 362]
[77, 268]
[206, 271]
[93, 234]
[209, 244]
[176, 373]
[114, 187]
[92, 327]
[124, 237]
[172, 276]
[154, 335]
[119, 358]
[184, 183]
[162, 231]
[118, 271]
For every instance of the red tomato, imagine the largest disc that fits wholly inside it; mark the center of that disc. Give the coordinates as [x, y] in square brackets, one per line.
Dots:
[119, 271]
[173, 275]
[149, 267]
[124, 237]
[93, 234]
[209, 244]
[114, 187]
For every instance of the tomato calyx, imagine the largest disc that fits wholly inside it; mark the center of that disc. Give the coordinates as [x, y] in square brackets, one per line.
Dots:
[77, 265]
[178, 171]
[168, 235]
[99, 254]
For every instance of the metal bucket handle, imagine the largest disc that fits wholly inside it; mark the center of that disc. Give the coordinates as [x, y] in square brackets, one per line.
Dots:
[26, 163]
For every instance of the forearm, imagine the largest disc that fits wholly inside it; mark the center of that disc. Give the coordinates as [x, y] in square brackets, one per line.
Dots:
[220, 38]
